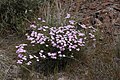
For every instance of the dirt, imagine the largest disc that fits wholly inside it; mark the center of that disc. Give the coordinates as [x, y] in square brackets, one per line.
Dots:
[103, 63]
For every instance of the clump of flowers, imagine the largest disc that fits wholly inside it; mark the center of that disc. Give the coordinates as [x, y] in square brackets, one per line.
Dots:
[45, 42]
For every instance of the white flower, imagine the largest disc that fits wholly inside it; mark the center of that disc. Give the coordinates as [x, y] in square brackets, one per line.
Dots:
[43, 20]
[44, 56]
[65, 44]
[52, 37]
[36, 34]
[38, 37]
[78, 49]
[53, 57]
[91, 35]
[68, 16]
[49, 54]
[63, 55]
[90, 27]
[51, 33]
[33, 41]
[60, 55]
[46, 45]
[35, 57]
[23, 44]
[33, 45]
[17, 46]
[42, 42]
[53, 54]
[41, 51]
[30, 56]
[71, 56]
[59, 52]
[62, 43]
[33, 32]
[94, 39]
[44, 29]
[28, 63]
[83, 26]
[54, 44]
[24, 58]
[70, 49]
[39, 19]
[38, 59]
[71, 21]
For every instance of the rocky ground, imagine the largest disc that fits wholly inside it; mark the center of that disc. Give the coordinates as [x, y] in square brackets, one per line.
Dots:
[101, 63]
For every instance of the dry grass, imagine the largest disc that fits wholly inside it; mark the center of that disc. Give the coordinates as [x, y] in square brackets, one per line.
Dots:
[99, 63]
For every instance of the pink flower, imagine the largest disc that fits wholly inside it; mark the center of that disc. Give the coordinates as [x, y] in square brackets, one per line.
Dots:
[59, 52]
[46, 27]
[49, 54]
[20, 61]
[20, 55]
[71, 21]
[40, 28]
[20, 50]
[80, 40]
[33, 41]
[30, 38]
[32, 34]
[81, 34]
[33, 26]
[53, 57]
[56, 42]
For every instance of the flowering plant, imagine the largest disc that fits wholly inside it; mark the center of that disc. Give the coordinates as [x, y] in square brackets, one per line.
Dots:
[53, 42]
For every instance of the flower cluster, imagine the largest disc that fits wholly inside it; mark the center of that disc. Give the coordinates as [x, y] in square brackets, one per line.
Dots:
[52, 42]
